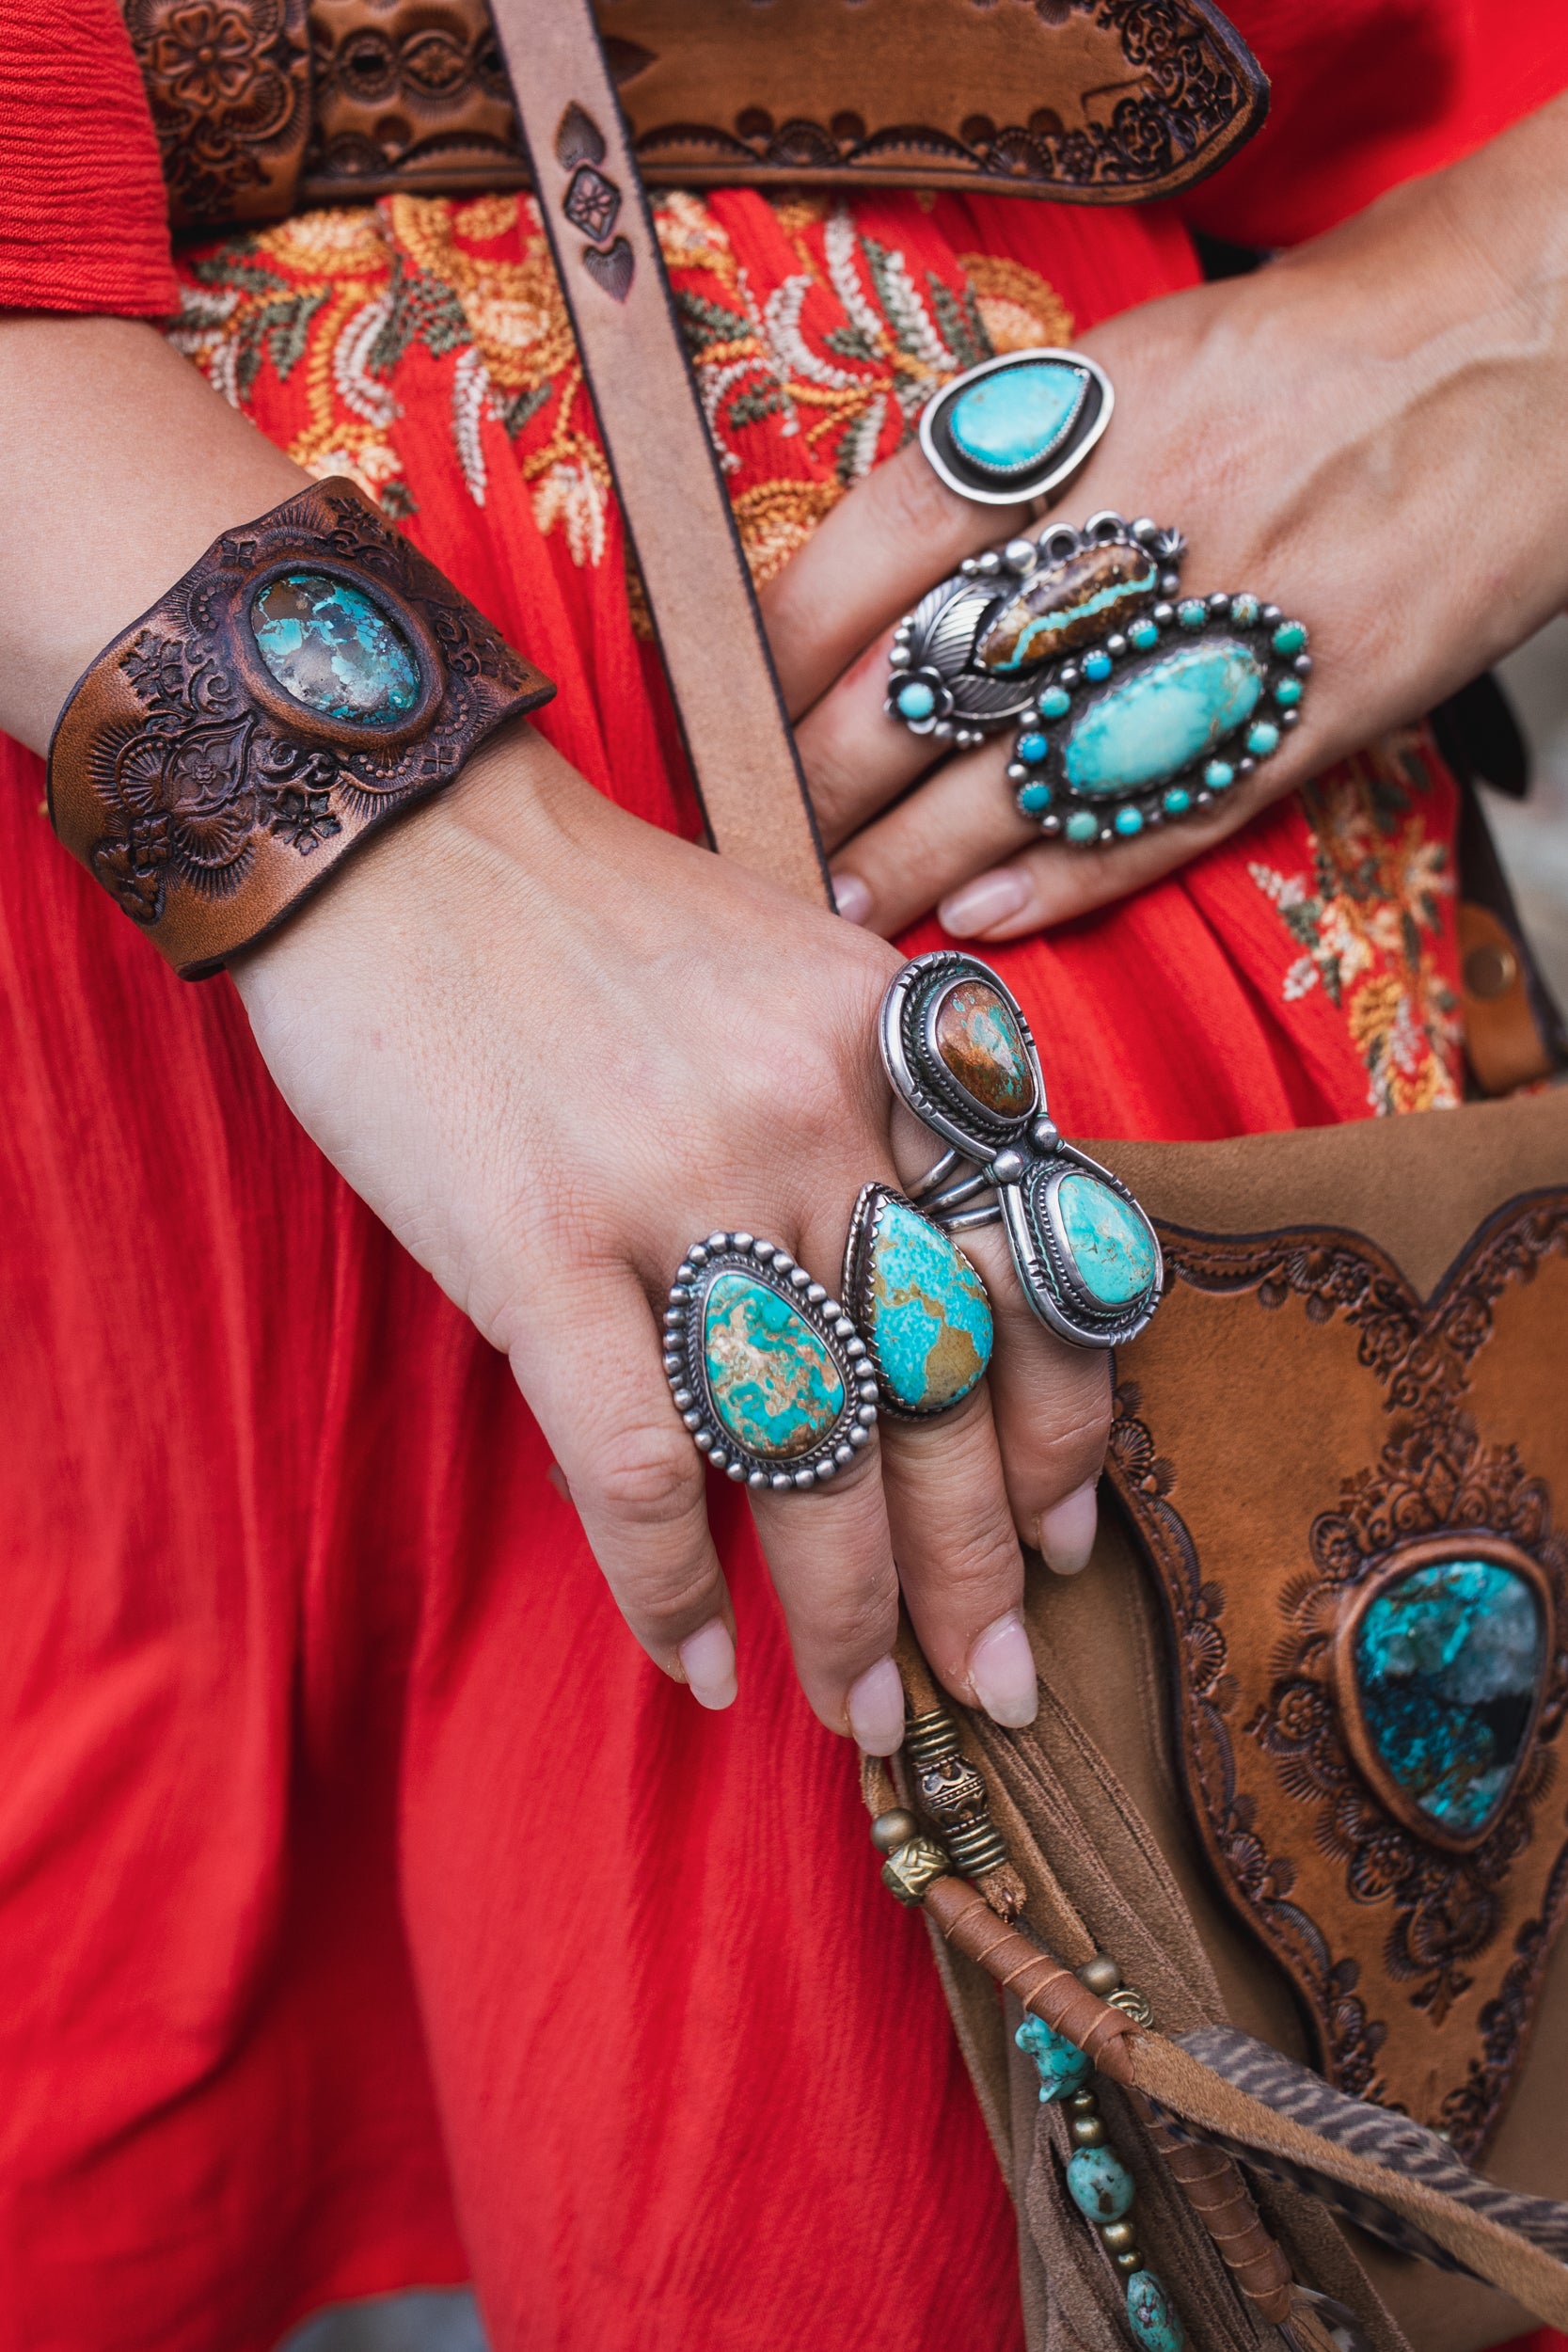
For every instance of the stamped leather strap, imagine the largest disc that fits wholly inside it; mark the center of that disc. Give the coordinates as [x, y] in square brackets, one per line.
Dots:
[660, 452]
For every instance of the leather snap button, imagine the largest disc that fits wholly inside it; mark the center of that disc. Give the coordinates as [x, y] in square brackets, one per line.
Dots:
[1490, 970]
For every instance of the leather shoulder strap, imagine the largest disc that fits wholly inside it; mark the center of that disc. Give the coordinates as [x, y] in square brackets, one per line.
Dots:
[660, 452]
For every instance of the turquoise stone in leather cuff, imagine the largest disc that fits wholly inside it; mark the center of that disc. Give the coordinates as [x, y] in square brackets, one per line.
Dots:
[1016, 426]
[312, 677]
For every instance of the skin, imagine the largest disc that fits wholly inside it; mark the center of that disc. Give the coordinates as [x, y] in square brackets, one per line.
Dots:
[1368, 433]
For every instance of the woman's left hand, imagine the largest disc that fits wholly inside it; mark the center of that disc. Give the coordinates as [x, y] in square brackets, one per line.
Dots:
[1368, 432]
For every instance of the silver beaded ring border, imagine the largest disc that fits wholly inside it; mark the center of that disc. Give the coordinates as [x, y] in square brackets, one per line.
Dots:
[686, 1368]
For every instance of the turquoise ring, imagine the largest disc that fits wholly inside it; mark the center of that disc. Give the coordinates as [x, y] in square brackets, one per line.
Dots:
[767, 1372]
[1016, 427]
[957, 1050]
[919, 1304]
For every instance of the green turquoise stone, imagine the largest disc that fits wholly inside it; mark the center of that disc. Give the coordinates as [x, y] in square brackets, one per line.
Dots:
[1083, 825]
[773, 1382]
[1289, 637]
[1060, 2064]
[1113, 1248]
[1128, 822]
[1161, 716]
[1011, 420]
[1262, 739]
[1035, 799]
[1151, 2315]
[1246, 612]
[916, 700]
[1288, 693]
[333, 650]
[1055, 703]
[1448, 1661]
[928, 1321]
[1145, 635]
[1099, 2184]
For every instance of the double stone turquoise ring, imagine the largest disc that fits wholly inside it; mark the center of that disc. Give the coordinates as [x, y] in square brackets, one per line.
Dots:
[958, 1051]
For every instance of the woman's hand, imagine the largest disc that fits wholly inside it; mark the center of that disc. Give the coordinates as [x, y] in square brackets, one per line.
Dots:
[1368, 432]
[551, 1047]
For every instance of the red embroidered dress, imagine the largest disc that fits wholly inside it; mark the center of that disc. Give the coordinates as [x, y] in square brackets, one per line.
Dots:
[337, 1955]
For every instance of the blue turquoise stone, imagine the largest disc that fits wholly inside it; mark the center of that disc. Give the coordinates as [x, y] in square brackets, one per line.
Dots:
[1192, 613]
[1059, 2063]
[1097, 665]
[330, 648]
[1177, 801]
[1447, 1661]
[1262, 739]
[773, 1382]
[1162, 715]
[1289, 637]
[1219, 776]
[1099, 2184]
[1035, 799]
[1083, 825]
[1151, 2315]
[1288, 693]
[929, 1320]
[1112, 1246]
[1145, 635]
[1011, 420]
[1032, 749]
[1128, 821]
[1055, 703]
[1245, 611]
[916, 700]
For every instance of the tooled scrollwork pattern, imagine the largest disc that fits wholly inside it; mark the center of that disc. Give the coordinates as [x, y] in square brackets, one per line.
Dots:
[228, 82]
[1434, 1477]
[408, 95]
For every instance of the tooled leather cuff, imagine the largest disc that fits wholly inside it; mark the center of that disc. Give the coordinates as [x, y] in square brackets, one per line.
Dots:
[311, 676]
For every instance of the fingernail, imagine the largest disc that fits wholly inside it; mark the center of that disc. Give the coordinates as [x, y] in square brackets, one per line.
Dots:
[1002, 1669]
[876, 1710]
[851, 898]
[708, 1659]
[982, 903]
[1066, 1533]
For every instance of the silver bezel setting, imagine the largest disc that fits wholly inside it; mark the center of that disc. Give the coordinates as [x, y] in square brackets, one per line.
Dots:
[934, 646]
[870, 1205]
[1187, 791]
[1039, 1243]
[1059, 462]
[685, 1364]
[908, 1018]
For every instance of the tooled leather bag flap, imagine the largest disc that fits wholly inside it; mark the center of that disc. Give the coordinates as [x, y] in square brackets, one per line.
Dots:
[262, 106]
[1342, 1446]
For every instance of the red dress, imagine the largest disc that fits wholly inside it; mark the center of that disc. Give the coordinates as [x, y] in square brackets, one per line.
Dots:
[373, 1913]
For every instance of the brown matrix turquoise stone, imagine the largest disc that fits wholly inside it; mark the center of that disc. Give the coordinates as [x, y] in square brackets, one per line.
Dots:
[1074, 603]
[773, 1382]
[978, 1040]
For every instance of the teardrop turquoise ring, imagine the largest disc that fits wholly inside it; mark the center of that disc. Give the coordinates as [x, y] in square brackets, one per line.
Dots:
[1016, 426]
[921, 1305]
[958, 1051]
[767, 1372]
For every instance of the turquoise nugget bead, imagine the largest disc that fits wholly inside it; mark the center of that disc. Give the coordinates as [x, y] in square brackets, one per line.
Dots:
[915, 700]
[1035, 799]
[1083, 825]
[1219, 776]
[1031, 748]
[1288, 693]
[333, 650]
[1262, 739]
[1060, 2064]
[1097, 665]
[1145, 634]
[1055, 703]
[1100, 2184]
[1151, 2315]
[1128, 822]
[1289, 637]
[1192, 613]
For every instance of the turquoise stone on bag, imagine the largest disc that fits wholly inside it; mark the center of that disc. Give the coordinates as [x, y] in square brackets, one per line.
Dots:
[1448, 1661]
[1113, 1249]
[773, 1382]
[1161, 716]
[333, 650]
[1151, 2315]
[1059, 2063]
[930, 1321]
[1099, 2184]
[1012, 420]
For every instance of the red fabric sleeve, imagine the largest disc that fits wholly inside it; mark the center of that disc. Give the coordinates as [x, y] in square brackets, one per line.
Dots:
[83, 219]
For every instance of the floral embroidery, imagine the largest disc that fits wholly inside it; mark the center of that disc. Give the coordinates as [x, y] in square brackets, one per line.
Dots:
[1369, 921]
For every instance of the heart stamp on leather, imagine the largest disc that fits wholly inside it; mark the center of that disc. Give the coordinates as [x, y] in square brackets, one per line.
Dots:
[611, 269]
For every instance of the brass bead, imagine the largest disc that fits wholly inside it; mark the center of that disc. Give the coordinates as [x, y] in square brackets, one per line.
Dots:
[1133, 2259]
[1083, 2103]
[1099, 1975]
[890, 1830]
[1117, 2237]
[910, 1871]
[1087, 2131]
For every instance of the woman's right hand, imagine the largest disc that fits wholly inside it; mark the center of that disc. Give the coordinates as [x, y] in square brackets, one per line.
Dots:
[551, 1047]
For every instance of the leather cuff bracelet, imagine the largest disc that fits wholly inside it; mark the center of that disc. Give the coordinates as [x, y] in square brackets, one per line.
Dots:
[312, 676]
